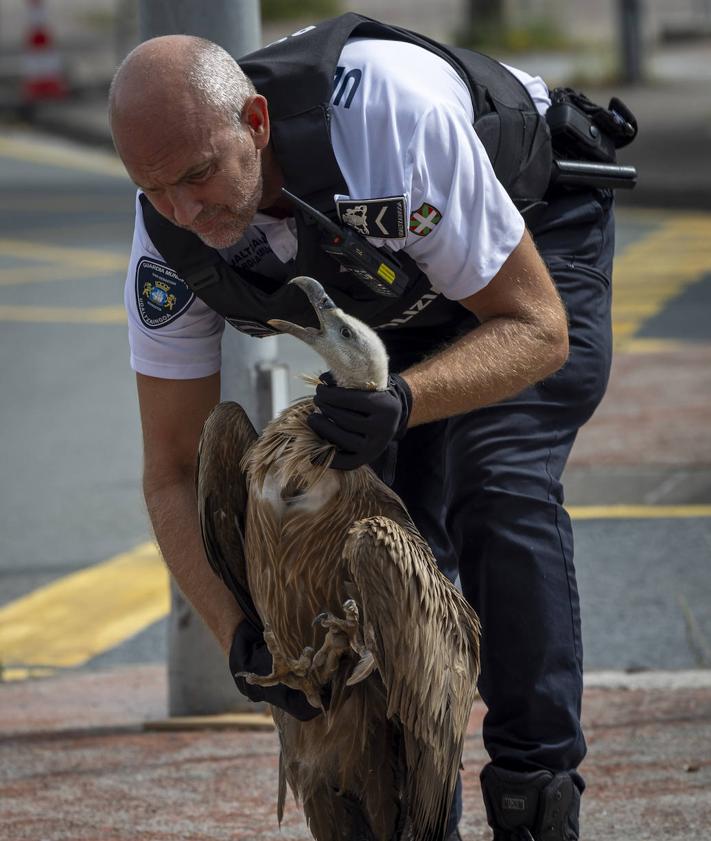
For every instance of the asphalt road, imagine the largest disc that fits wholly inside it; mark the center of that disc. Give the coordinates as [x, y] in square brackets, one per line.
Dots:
[70, 455]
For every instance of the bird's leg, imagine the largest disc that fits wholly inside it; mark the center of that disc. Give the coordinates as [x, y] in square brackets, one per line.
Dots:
[293, 672]
[335, 645]
[342, 636]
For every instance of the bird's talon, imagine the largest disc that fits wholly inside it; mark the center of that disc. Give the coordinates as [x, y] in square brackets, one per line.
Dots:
[362, 669]
[248, 676]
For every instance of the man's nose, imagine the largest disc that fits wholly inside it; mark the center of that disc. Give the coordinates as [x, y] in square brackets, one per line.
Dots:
[186, 207]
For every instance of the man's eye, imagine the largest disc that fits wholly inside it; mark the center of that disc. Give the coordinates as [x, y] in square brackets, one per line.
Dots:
[203, 175]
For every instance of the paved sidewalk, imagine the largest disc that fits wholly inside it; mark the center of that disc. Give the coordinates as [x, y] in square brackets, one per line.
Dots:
[81, 757]
[81, 761]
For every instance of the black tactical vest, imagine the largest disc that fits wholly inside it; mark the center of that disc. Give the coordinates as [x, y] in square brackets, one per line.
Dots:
[296, 75]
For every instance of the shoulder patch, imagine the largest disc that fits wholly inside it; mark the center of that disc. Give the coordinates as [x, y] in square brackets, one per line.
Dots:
[161, 295]
[383, 218]
[424, 219]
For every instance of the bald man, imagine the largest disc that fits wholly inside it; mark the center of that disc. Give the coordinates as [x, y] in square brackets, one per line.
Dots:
[483, 421]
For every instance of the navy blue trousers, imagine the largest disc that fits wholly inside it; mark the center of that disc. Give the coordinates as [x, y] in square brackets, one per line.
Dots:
[485, 490]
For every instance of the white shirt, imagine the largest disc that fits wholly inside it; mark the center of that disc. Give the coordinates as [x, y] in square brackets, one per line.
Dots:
[391, 137]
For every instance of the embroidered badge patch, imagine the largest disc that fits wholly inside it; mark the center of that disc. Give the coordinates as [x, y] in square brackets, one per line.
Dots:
[161, 295]
[383, 218]
[424, 219]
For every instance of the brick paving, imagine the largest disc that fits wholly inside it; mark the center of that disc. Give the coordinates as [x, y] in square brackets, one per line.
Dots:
[78, 764]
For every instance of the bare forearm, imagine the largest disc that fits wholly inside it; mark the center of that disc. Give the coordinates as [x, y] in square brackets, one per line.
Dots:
[173, 512]
[491, 363]
[522, 338]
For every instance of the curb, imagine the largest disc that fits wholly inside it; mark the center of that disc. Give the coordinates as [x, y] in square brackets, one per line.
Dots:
[665, 680]
[226, 721]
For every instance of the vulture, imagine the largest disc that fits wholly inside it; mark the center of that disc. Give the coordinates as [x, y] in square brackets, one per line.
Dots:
[352, 605]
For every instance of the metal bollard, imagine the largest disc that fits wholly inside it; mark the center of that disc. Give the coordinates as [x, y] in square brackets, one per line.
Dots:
[198, 678]
[630, 15]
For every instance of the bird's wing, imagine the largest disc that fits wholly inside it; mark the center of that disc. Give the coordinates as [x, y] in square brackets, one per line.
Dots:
[425, 640]
[222, 498]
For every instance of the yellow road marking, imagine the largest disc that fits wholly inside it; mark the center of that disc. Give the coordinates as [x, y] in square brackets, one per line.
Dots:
[64, 315]
[24, 672]
[637, 512]
[642, 214]
[64, 263]
[219, 721]
[62, 204]
[67, 157]
[103, 261]
[70, 621]
[639, 310]
[93, 230]
[22, 275]
[67, 623]
[654, 270]
[655, 345]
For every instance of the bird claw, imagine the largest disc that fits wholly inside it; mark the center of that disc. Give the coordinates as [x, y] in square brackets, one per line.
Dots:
[287, 670]
[343, 636]
[348, 625]
[362, 669]
[295, 673]
[312, 671]
[255, 679]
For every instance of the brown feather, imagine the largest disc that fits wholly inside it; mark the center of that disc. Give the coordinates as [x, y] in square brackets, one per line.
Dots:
[301, 539]
[222, 497]
[299, 562]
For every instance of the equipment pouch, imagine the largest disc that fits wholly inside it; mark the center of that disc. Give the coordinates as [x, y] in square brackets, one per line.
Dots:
[584, 131]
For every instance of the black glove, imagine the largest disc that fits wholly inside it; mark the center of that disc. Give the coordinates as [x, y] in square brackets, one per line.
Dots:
[249, 653]
[359, 423]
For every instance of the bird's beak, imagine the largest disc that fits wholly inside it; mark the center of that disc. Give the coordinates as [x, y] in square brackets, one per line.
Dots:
[318, 299]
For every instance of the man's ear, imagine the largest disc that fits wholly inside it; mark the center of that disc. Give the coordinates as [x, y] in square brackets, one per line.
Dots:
[255, 118]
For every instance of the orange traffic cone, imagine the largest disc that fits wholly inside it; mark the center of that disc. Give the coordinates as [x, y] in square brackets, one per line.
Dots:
[43, 77]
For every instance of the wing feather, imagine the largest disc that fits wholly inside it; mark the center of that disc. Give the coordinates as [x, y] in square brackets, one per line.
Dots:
[424, 637]
[227, 436]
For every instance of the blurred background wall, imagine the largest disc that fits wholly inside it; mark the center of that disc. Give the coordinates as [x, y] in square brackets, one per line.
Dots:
[93, 35]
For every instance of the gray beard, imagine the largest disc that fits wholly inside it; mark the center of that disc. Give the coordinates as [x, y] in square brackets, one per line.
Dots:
[224, 239]
[238, 221]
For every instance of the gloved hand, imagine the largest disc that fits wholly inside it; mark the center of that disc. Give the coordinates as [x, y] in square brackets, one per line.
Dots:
[249, 653]
[359, 423]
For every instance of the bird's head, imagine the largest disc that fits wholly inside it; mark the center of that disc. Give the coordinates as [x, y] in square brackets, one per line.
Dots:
[353, 352]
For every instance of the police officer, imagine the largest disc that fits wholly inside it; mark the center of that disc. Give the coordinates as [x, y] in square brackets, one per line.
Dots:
[499, 343]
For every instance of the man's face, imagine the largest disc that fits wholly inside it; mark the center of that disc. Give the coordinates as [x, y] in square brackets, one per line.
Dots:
[205, 178]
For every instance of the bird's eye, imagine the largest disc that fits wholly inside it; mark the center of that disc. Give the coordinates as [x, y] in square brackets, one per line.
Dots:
[346, 333]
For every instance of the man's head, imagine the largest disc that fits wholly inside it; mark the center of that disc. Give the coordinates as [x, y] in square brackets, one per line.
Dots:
[191, 131]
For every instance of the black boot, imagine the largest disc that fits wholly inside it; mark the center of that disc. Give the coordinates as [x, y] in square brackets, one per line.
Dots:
[535, 806]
